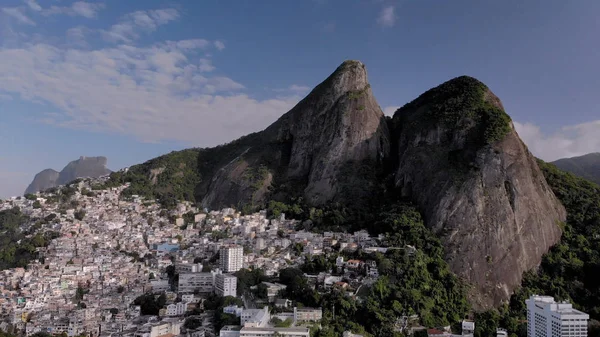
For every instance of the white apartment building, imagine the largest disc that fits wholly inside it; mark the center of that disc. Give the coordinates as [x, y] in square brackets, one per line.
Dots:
[226, 285]
[231, 258]
[197, 282]
[177, 309]
[547, 318]
[256, 318]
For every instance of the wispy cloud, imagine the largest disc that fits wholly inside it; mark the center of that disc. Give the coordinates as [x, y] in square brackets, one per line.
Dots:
[80, 8]
[17, 13]
[154, 93]
[569, 141]
[131, 25]
[219, 45]
[205, 65]
[294, 89]
[33, 5]
[387, 17]
[77, 35]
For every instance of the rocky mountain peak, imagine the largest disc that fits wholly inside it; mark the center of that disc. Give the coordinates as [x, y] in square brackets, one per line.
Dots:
[82, 167]
[452, 151]
[481, 190]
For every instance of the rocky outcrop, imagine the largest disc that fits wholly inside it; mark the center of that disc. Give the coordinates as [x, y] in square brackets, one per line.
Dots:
[42, 181]
[480, 189]
[453, 151]
[83, 167]
[327, 148]
[332, 133]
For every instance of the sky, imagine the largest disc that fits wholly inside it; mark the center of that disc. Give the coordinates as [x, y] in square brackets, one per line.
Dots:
[131, 80]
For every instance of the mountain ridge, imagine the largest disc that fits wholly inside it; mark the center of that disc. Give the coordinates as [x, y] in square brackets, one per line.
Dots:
[83, 167]
[453, 151]
[586, 166]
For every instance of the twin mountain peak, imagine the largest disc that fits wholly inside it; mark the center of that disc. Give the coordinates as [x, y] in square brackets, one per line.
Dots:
[453, 151]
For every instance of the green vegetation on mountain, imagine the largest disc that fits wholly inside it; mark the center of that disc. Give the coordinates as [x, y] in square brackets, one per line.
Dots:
[186, 174]
[462, 97]
[411, 283]
[18, 247]
[587, 166]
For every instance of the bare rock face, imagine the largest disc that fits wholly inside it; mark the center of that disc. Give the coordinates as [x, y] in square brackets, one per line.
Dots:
[42, 181]
[83, 167]
[453, 151]
[333, 133]
[480, 189]
[327, 148]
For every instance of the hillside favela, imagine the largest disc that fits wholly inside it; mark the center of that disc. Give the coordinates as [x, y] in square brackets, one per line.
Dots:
[258, 188]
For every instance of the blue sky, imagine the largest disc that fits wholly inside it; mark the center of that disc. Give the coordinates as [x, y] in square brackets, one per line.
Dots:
[131, 80]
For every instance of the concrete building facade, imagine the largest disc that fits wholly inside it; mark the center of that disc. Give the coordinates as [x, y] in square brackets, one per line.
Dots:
[548, 318]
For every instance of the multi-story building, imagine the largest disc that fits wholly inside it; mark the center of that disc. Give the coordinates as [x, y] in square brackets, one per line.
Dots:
[226, 285]
[547, 318]
[231, 258]
[308, 314]
[257, 318]
[196, 282]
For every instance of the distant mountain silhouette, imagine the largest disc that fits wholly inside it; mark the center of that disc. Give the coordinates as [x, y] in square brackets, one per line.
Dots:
[586, 166]
[83, 167]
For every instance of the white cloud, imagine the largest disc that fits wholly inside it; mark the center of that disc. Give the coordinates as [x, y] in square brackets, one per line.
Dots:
[86, 9]
[387, 17]
[569, 141]
[17, 13]
[153, 93]
[132, 24]
[294, 89]
[389, 110]
[80, 8]
[76, 35]
[205, 65]
[299, 88]
[33, 5]
[219, 45]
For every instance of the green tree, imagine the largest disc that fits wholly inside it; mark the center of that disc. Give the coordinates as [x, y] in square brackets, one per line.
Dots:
[80, 214]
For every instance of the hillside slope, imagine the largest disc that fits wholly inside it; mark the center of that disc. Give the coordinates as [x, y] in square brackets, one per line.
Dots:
[586, 166]
[453, 151]
[480, 189]
[328, 148]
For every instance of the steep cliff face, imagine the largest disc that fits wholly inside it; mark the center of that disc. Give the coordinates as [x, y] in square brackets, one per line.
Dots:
[453, 151]
[329, 147]
[42, 181]
[332, 133]
[479, 187]
[83, 167]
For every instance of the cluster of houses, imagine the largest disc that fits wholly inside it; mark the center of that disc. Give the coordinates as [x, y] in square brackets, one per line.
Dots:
[86, 281]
